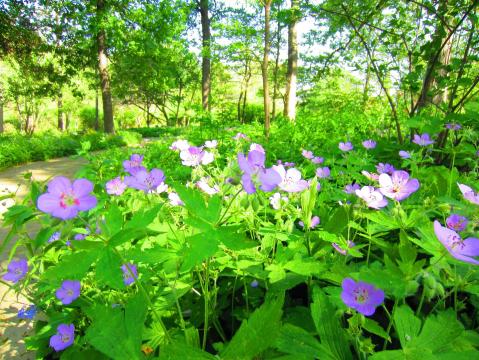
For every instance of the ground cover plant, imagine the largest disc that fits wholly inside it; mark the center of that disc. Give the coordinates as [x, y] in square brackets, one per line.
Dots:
[212, 250]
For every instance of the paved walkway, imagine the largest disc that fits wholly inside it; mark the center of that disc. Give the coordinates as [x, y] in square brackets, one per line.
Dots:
[13, 330]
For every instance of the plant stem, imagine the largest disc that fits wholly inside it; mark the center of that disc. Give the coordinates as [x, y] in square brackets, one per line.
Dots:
[390, 322]
[228, 207]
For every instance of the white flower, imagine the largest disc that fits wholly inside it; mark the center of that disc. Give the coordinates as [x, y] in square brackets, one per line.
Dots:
[162, 188]
[211, 144]
[373, 198]
[206, 188]
[290, 179]
[180, 145]
[175, 199]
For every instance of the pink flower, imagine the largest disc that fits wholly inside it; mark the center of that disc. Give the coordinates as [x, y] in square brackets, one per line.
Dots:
[398, 186]
[290, 179]
[373, 198]
[469, 194]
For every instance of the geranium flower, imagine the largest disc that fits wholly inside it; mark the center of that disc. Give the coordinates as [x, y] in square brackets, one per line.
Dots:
[255, 172]
[469, 194]
[256, 147]
[16, 270]
[370, 176]
[342, 251]
[290, 179]
[144, 180]
[180, 145]
[195, 156]
[323, 172]
[307, 154]
[130, 273]
[64, 200]
[345, 146]
[385, 168]
[276, 199]
[453, 126]
[404, 154]
[456, 222]
[373, 198]
[369, 144]
[460, 249]
[27, 313]
[422, 140]
[115, 186]
[134, 164]
[315, 221]
[361, 296]
[398, 186]
[239, 136]
[203, 185]
[317, 160]
[211, 144]
[351, 188]
[63, 338]
[175, 199]
[68, 292]
[55, 237]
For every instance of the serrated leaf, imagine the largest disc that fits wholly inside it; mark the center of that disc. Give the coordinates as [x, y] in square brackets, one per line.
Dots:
[201, 247]
[73, 266]
[179, 350]
[407, 325]
[108, 269]
[258, 333]
[374, 328]
[142, 219]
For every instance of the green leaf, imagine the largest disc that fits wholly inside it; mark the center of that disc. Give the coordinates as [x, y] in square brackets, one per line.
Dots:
[297, 341]
[200, 247]
[179, 350]
[113, 220]
[73, 266]
[374, 328]
[258, 333]
[116, 332]
[328, 326]
[142, 219]
[108, 269]
[407, 325]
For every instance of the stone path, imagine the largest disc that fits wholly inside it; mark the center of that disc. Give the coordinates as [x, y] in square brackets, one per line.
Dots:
[13, 330]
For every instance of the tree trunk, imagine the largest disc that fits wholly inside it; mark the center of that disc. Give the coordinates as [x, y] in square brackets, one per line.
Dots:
[291, 75]
[264, 68]
[276, 68]
[245, 96]
[180, 96]
[1, 116]
[239, 106]
[147, 113]
[67, 121]
[206, 56]
[97, 112]
[60, 111]
[109, 126]
[366, 84]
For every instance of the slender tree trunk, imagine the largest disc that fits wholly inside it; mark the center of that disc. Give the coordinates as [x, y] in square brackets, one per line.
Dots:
[1, 116]
[67, 121]
[147, 113]
[60, 111]
[245, 95]
[108, 123]
[276, 68]
[239, 106]
[291, 75]
[366, 84]
[264, 68]
[206, 56]
[180, 95]
[97, 112]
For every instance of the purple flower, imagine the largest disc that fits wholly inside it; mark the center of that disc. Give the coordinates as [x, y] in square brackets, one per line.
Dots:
[203, 185]
[456, 222]
[130, 273]
[317, 160]
[133, 165]
[175, 199]
[27, 313]
[370, 176]
[81, 236]
[351, 188]
[361, 296]
[307, 154]
[239, 136]
[68, 292]
[345, 146]
[63, 338]
[385, 168]
[211, 144]
[195, 156]
[64, 200]
[404, 154]
[254, 284]
[290, 179]
[373, 198]
[453, 126]
[422, 140]
[323, 172]
[180, 145]
[369, 144]
[469, 194]
[115, 186]
[342, 251]
[16, 270]
[255, 172]
[398, 186]
[144, 180]
[55, 236]
[315, 221]
[257, 147]
[460, 249]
